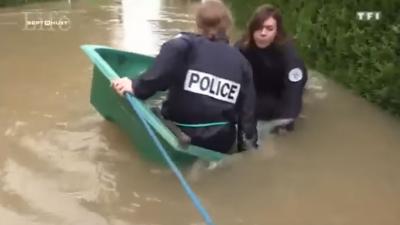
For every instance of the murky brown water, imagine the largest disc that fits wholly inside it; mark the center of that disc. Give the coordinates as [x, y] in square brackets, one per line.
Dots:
[60, 163]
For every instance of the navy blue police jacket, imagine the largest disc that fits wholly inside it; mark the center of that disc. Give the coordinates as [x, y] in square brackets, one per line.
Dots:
[207, 81]
[280, 76]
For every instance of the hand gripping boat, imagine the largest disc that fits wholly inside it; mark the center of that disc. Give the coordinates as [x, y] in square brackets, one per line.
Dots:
[111, 63]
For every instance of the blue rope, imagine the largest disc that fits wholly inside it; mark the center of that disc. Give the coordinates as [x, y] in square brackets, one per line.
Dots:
[171, 164]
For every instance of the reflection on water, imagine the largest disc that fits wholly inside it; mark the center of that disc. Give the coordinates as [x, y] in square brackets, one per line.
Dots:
[61, 163]
[136, 29]
[146, 24]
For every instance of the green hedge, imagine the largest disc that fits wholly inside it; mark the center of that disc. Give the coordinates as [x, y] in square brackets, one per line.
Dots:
[362, 55]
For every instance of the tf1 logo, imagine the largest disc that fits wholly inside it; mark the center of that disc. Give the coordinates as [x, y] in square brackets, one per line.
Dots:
[369, 15]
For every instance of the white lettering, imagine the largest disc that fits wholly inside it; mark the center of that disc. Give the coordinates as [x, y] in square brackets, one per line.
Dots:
[369, 15]
[29, 24]
[65, 23]
[377, 15]
[46, 21]
[360, 15]
[212, 86]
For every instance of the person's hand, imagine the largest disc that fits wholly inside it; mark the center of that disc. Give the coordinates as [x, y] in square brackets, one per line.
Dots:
[244, 143]
[250, 144]
[122, 85]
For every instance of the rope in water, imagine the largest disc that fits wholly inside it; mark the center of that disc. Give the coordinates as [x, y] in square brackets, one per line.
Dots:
[196, 201]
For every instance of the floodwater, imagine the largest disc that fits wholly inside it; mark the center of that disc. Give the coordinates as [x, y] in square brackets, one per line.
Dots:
[61, 163]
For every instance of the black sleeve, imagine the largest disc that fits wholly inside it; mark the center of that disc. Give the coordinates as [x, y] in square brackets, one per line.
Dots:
[294, 82]
[247, 102]
[161, 74]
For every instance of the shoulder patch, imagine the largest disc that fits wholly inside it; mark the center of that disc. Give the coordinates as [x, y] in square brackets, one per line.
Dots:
[295, 75]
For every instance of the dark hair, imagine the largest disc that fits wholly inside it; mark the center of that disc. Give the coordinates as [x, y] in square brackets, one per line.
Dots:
[213, 18]
[261, 14]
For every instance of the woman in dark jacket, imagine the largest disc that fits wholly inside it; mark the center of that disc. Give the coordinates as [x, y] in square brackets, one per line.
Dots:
[279, 73]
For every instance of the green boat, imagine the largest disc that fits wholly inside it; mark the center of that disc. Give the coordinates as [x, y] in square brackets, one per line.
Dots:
[110, 64]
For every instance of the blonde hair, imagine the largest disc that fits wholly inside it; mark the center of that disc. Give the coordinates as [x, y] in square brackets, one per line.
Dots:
[213, 19]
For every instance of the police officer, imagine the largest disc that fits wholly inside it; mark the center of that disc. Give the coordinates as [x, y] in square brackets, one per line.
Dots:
[209, 83]
[279, 73]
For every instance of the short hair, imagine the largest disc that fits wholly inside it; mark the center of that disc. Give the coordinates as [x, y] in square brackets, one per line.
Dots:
[213, 18]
